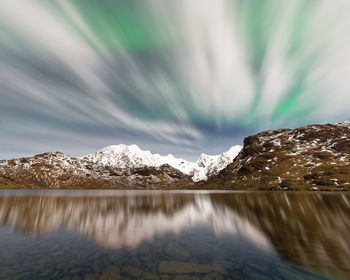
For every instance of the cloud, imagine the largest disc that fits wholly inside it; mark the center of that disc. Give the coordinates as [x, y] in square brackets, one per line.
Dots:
[64, 79]
[172, 72]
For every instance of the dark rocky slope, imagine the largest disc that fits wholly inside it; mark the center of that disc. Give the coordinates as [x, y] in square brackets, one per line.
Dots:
[315, 157]
[56, 170]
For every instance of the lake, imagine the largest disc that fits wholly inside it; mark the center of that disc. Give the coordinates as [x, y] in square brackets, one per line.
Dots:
[61, 234]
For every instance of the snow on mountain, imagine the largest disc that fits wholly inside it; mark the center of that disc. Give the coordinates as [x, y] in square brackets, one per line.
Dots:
[344, 124]
[212, 165]
[313, 157]
[123, 156]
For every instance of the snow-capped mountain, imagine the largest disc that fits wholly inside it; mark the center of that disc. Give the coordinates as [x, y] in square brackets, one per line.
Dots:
[314, 157]
[116, 166]
[209, 166]
[129, 157]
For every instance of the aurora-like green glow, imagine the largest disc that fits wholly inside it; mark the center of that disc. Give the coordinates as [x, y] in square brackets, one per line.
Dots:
[175, 75]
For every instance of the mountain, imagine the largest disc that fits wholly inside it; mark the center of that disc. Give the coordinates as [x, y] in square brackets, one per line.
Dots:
[212, 165]
[129, 157]
[116, 166]
[315, 157]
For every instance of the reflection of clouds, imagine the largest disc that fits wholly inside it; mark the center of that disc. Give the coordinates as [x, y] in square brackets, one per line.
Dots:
[115, 222]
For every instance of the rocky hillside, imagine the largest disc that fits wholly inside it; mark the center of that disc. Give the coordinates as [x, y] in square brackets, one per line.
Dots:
[56, 170]
[117, 166]
[315, 157]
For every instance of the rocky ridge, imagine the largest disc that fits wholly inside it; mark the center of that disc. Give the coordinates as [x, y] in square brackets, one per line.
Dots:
[315, 157]
[116, 166]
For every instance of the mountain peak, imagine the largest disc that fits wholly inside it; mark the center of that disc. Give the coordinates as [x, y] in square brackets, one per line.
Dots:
[310, 158]
[120, 147]
[214, 164]
[124, 156]
[114, 165]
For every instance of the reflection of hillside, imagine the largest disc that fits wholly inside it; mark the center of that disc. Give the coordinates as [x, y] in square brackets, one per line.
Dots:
[117, 221]
[311, 229]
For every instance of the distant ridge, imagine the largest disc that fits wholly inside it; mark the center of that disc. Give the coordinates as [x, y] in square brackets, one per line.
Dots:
[314, 157]
[115, 166]
[123, 156]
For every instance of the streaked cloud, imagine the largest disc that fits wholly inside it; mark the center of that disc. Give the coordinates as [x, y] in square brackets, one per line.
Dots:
[167, 74]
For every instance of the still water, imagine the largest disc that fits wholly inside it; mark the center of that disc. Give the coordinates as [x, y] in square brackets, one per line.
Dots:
[174, 235]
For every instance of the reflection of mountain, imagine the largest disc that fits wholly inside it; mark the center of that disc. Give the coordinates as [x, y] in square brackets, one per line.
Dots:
[311, 229]
[124, 220]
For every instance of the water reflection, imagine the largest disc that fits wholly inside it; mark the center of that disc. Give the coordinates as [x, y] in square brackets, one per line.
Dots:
[125, 220]
[309, 229]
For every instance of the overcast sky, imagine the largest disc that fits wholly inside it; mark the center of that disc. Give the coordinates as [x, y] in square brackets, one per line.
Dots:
[180, 77]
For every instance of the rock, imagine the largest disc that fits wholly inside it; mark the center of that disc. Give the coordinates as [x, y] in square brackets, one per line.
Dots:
[22, 275]
[111, 272]
[172, 267]
[186, 277]
[257, 276]
[132, 271]
[54, 276]
[57, 253]
[91, 276]
[134, 261]
[177, 252]
[46, 272]
[223, 266]
[97, 267]
[75, 270]
[251, 273]
[115, 256]
[150, 276]
[258, 264]
[289, 275]
[220, 268]
[213, 276]
[143, 250]
[199, 248]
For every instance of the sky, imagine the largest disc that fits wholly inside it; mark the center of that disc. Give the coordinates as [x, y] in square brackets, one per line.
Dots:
[172, 76]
